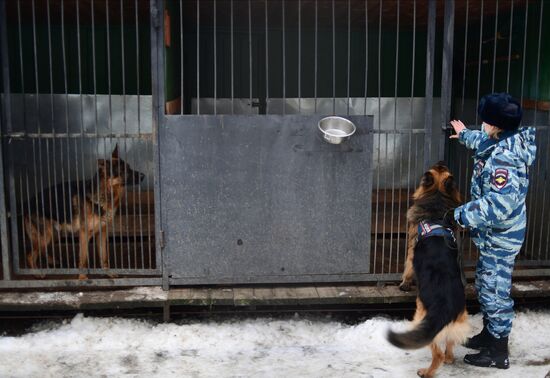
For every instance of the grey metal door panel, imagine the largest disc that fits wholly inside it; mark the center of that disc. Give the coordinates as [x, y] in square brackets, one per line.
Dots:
[250, 197]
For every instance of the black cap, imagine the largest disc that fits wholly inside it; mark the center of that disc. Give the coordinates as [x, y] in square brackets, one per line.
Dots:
[500, 110]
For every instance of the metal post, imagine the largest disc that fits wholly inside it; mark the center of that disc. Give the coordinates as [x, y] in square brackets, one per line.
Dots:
[6, 122]
[157, 89]
[447, 73]
[429, 85]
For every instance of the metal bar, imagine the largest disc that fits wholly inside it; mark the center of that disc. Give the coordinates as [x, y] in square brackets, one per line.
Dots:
[250, 52]
[182, 97]
[158, 120]
[266, 56]
[510, 45]
[447, 74]
[67, 119]
[110, 125]
[524, 50]
[80, 283]
[379, 137]
[198, 56]
[94, 164]
[349, 38]
[430, 52]
[124, 123]
[535, 123]
[465, 56]
[316, 38]
[232, 61]
[284, 58]
[37, 192]
[216, 60]
[72, 271]
[479, 57]
[394, 136]
[27, 135]
[495, 47]
[366, 54]
[84, 189]
[333, 60]
[139, 124]
[7, 122]
[299, 56]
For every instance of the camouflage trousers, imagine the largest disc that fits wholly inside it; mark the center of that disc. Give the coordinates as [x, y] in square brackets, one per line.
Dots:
[493, 283]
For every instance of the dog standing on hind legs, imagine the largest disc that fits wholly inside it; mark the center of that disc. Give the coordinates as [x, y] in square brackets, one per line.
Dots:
[86, 210]
[441, 317]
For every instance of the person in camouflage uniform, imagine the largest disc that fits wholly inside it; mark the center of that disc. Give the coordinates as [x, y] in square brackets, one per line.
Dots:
[496, 217]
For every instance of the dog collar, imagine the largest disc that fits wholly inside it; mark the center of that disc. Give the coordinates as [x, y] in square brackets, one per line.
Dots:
[426, 230]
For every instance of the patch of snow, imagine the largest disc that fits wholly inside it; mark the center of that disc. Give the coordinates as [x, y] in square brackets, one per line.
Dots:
[525, 287]
[298, 347]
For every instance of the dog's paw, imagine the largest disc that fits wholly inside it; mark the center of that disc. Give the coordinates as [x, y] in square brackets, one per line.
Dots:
[449, 360]
[405, 286]
[82, 276]
[424, 373]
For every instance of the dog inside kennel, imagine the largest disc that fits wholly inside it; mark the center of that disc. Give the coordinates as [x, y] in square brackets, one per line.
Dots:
[80, 147]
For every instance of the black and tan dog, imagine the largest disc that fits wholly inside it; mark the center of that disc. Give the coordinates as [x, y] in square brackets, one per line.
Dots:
[83, 208]
[441, 316]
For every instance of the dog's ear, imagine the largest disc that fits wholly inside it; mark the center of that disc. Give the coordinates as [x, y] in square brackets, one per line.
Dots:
[114, 155]
[427, 179]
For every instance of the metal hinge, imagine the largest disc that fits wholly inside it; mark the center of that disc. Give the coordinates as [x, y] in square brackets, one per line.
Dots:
[161, 237]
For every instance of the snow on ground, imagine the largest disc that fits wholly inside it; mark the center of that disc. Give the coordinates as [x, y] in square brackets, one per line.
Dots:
[264, 347]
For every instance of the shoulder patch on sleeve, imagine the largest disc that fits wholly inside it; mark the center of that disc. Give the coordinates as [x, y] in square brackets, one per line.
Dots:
[500, 178]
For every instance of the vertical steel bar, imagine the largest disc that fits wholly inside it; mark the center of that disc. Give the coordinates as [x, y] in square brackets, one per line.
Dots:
[316, 40]
[495, 47]
[110, 125]
[524, 53]
[299, 56]
[447, 74]
[479, 57]
[7, 122]
[84, 188]
[538, 173]
[465, 56]
[411, 126]
[66, 89]
[232, 60]
[125, 139]
[394, 138]
[95, 186]
[198, 56]
[378, 167]
[366, 54]
[182, 97]
[266, 58]
[250, 54]
[140, 214]
[37, 191]
[430, 53]
[215, 73]
[54, 160]
[349, 55]
[284, 57]
[510, 45]
[333, 60]
[8, 125]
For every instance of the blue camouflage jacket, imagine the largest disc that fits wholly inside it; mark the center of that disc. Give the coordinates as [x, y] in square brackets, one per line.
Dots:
[498, 188]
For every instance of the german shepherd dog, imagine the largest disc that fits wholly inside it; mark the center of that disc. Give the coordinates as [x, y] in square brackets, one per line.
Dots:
[86, 211]
[441, 316]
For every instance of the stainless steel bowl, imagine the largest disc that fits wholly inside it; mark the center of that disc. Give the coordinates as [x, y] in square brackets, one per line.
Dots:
[336, 129]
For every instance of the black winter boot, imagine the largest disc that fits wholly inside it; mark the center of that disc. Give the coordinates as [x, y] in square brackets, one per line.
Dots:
[481, 340]
[495, 355]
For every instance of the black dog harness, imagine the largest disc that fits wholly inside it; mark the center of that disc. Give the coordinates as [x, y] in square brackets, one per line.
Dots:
[429, 229]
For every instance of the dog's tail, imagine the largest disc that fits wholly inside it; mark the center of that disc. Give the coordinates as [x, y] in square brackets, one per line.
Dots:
[422, 334]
